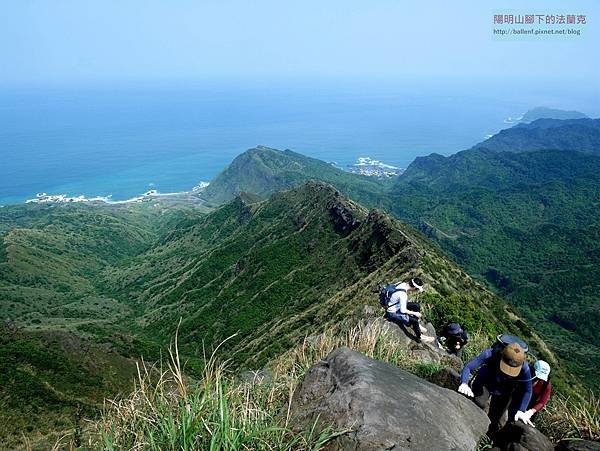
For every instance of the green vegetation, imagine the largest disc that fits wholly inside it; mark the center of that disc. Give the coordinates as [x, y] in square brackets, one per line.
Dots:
[571, 417]
[215, 412]
[65, 342]
[50, 381]
[582, 135]
[269, 272]
[220, 411]
[524, 222]
[116, 281]
[263, 171]
[551, 113]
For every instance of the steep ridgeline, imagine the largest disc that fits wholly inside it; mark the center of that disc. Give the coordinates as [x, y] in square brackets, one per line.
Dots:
[529, 224]
[275, 271]
[525, 221]
[263, 171]
[88, 287]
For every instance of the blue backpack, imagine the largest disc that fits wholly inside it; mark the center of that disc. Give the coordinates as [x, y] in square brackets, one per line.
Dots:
[385, 295]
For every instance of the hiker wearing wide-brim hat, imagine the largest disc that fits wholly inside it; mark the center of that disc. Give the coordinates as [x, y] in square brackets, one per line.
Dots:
[503, 379]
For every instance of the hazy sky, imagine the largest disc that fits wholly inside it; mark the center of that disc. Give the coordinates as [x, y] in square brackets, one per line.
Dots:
[88, 40]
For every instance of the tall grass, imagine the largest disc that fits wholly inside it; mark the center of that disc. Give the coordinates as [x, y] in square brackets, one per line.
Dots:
[167, 411]
[571, 417]
[373, 340]
[213, 413]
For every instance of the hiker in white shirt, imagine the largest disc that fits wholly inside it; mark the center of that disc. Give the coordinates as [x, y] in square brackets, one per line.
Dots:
[405, 313]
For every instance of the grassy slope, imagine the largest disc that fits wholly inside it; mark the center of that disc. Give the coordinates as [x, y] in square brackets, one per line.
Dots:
[51, 380]
[66, 340]
[271, 271]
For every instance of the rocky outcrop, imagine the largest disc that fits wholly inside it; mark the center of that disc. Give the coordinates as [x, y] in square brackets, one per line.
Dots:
[517, 436]
[384, 407]
[425, 352]
[577, 445]
[343, 218]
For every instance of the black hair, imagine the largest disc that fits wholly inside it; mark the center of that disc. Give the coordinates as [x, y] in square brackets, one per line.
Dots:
[416, 281]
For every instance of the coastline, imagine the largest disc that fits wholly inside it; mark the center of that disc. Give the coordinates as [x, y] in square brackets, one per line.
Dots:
[364, 166]
[43, 198]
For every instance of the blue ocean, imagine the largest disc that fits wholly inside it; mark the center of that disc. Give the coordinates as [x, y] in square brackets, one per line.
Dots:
[122, 140]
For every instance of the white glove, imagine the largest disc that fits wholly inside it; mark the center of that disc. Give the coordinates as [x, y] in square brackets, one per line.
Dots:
[465, 390]
[524, 417]
[529, 414]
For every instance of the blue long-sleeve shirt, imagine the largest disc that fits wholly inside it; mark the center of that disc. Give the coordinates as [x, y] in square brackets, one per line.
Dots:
[495, 381]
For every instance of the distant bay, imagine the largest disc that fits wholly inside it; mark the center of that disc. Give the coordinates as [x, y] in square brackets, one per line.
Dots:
[123, 140]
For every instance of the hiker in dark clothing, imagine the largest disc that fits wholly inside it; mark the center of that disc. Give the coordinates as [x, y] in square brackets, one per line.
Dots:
[504, 379]
[394, 298]
[454, 338]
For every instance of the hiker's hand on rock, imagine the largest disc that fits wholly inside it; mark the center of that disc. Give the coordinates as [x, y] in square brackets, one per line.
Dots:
[529, 414]
[520, 415]
[465, 390]
[417, 314]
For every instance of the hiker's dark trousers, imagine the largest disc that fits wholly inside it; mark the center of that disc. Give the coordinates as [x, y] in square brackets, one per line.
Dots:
[498, 405]
[400, 319]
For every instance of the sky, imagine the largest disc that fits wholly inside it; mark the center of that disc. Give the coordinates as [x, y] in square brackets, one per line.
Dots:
[73, 41]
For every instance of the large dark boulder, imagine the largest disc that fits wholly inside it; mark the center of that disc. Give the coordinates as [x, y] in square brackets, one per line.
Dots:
[517, 436]
[385, 407]
[577, 445]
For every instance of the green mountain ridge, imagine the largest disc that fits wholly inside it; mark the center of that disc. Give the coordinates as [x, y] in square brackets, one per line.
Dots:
[582, 135]
[265, 273]
[525, 223]
[551, 113]
[286, 256]
[286, 264]
[486, 169]
[263, 171]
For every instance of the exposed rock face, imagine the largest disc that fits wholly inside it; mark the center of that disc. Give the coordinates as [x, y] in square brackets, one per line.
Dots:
[426, 352]
[517, 436]
[577, 445]
[343, 218]
[385, 407]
